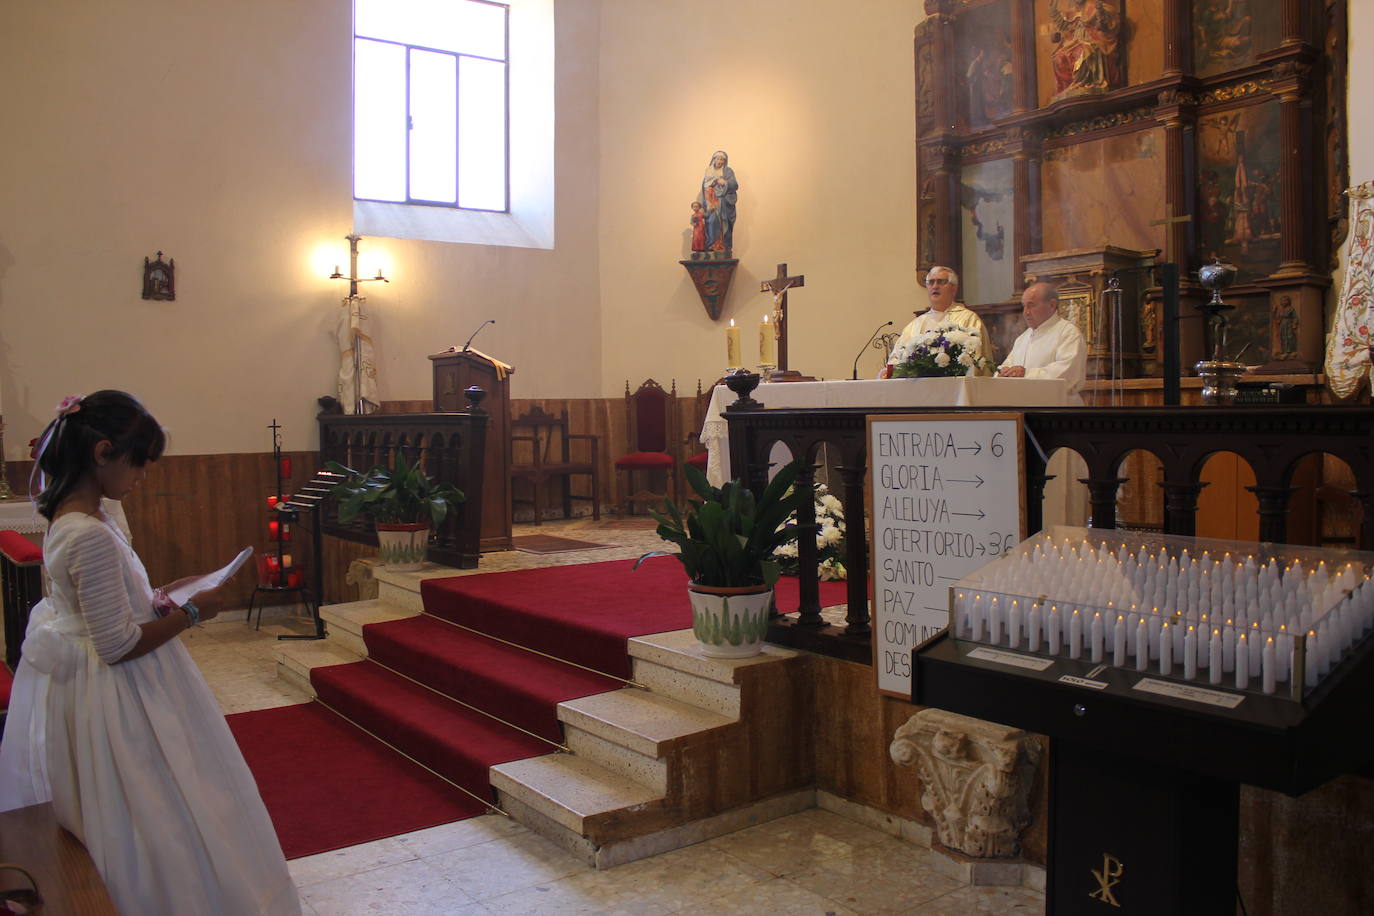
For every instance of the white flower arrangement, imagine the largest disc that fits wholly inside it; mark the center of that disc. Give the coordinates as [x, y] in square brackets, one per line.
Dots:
[947, 349]
[829, 539]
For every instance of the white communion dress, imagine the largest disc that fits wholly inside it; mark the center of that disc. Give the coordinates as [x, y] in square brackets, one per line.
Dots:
[135, 756]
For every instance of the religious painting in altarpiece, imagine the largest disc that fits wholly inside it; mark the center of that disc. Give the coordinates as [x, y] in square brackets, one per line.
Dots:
[1110, 187]
[1059, 126]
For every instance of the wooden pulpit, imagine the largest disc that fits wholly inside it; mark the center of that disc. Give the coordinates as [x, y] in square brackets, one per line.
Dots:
[454, 372]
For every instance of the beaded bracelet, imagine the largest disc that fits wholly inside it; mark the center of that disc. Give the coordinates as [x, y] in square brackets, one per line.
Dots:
[192, 612]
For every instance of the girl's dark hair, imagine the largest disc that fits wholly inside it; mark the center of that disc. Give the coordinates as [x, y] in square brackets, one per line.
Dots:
[66, 451]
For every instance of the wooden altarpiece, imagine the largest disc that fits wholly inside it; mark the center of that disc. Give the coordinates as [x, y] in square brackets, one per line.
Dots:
[1201, 128]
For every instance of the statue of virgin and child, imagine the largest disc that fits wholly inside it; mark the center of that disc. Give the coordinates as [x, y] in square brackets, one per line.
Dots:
[713, 212]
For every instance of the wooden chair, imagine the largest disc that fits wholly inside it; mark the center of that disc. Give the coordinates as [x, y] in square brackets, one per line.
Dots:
[541, 451]
[651, 414]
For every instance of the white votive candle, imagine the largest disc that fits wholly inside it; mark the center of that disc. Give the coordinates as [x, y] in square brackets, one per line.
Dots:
[1142, 646]
[1268, 671]
[1033, 628]
[1075, 634]
[995, 623]
[1096, 636]
[1014, 625]
[1214, 667]
[1052, 630]
[1242, 662]
[1119, 642]
[1190, 654]
[1228, 647]
[1166, 650]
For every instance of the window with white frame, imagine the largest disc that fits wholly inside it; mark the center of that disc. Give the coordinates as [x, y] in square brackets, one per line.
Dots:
[430, 103]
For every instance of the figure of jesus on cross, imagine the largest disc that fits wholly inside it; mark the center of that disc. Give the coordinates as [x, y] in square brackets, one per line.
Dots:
[779, 286]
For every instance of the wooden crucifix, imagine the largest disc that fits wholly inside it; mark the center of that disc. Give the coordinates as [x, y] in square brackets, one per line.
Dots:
[779, 286]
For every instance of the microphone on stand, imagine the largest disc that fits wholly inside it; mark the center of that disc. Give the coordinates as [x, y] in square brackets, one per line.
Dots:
[871, 338]
[468, 346]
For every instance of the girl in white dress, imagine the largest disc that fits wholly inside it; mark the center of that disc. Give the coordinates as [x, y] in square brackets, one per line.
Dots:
[110, 719]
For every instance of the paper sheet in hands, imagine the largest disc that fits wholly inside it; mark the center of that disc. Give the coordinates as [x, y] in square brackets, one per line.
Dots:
[182, 593]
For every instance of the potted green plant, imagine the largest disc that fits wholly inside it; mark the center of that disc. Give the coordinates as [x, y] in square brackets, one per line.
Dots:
[726, 540]
[402, 501]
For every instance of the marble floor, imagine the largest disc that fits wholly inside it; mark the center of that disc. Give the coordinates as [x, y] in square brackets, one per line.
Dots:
[812, 862]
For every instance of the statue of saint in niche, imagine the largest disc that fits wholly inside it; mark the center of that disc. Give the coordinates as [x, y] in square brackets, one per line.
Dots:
[1086, 53]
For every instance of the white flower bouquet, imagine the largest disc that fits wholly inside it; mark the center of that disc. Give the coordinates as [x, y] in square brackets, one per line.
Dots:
[829, 539]
[946, 350]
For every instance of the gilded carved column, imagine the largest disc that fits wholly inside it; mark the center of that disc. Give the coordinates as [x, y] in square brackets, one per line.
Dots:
[1177, 43]
[1289, 84]
[1024, 146]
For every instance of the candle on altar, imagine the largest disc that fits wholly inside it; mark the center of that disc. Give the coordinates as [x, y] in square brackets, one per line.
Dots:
[1268, 670]
[768, 344]
[1119, 642]
[1214, 657]
[1242, 662]
[1142, 645]
[1190, 653]
[732, 349]
[1075, 634]
[1166, 650]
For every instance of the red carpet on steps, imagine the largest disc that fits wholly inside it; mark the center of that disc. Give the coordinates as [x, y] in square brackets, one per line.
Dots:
[328, 785]
[458, 743]
[508, 682]
[583, 613]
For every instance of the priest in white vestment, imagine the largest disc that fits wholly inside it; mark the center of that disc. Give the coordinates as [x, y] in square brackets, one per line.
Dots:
[1051, 347]
[942, 286]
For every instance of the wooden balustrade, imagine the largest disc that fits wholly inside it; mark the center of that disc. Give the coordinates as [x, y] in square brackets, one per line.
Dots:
[449, 446]
[1273, 440]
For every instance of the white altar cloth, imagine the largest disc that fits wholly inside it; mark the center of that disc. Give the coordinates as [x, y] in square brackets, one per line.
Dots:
[904, 392]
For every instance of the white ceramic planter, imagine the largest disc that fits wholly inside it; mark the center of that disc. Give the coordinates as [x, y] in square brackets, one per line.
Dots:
[730, 622]
[403, 547]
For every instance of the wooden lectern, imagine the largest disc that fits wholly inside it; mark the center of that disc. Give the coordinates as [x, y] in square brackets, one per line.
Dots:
[455, 371]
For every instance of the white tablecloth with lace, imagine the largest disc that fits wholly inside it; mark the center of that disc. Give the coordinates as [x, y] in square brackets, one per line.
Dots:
[913, 392]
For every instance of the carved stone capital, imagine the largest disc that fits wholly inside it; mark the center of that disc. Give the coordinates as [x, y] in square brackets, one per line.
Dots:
[976, 778]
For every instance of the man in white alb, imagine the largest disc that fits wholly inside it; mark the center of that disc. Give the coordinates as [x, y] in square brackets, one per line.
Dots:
[942, 286]
[1050, 347]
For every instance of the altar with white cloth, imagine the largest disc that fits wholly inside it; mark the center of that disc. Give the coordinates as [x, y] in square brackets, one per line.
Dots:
[950, 391]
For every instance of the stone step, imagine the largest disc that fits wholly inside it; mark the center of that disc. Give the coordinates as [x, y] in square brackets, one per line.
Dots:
[346, 621]
[573, 792]
[295, 659]
[629, 731]
[671, 664]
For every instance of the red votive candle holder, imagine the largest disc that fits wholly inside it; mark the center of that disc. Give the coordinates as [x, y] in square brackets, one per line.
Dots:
[295, 578]
[272, 565]
[271, 502]
[274, 530]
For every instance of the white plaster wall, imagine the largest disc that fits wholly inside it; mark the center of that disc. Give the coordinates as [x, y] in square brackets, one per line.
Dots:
[814, 103]
[221, 135]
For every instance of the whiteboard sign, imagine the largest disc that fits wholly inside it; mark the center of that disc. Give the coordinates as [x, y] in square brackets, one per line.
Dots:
[947, 497]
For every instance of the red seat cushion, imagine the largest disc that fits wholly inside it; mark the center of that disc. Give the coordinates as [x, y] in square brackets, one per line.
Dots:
[699, 460]
[641, 461]
[19, 549]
